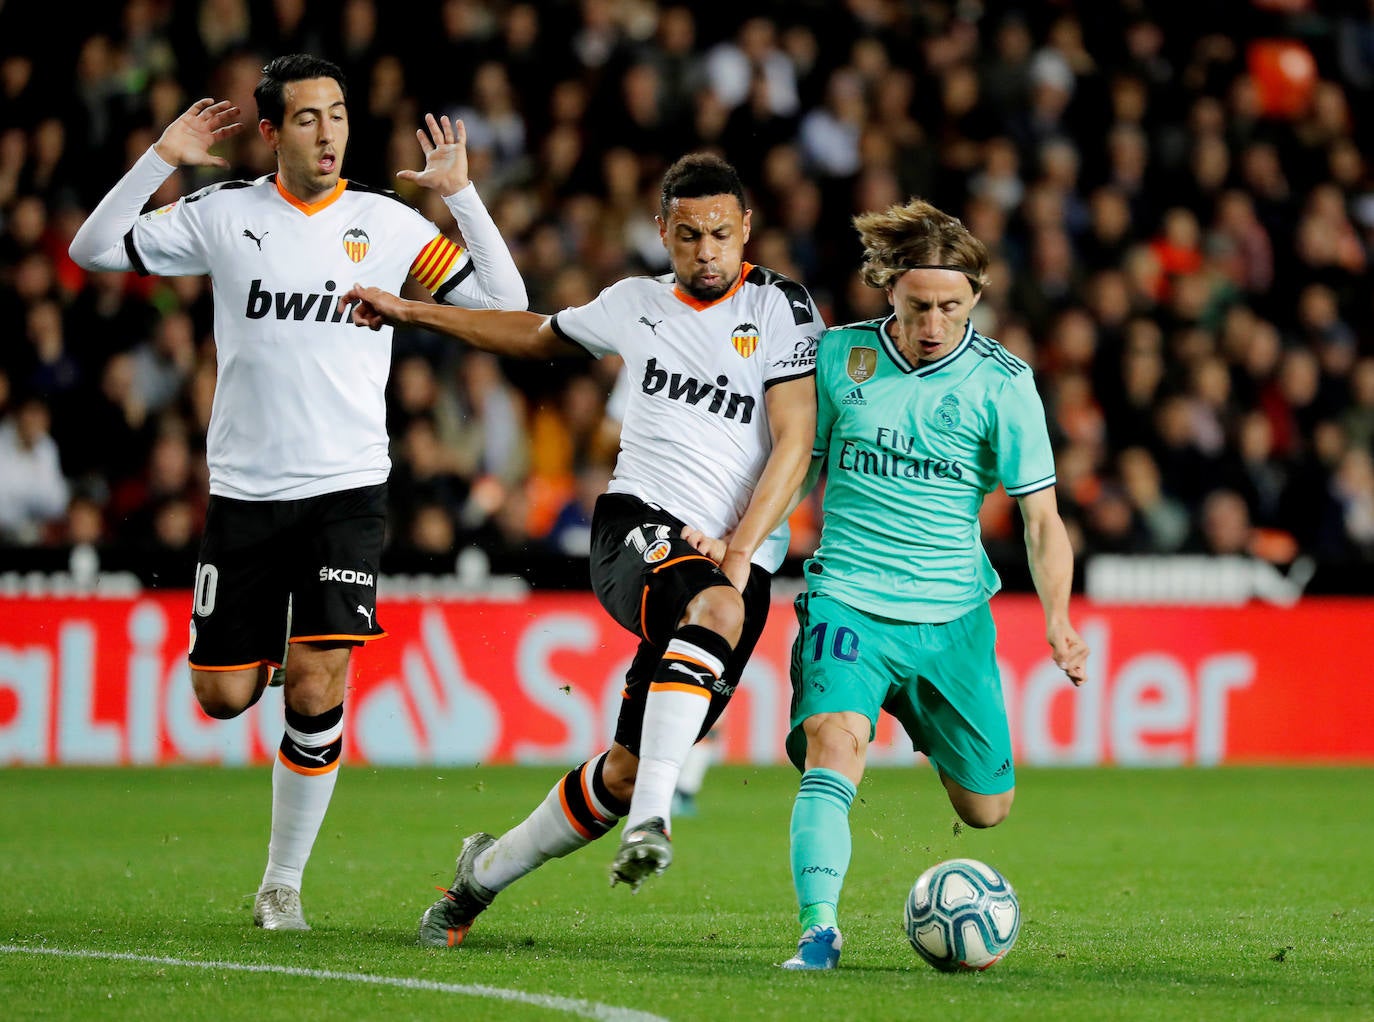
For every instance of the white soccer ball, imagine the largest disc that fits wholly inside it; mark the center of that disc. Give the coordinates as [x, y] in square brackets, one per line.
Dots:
[962, 914]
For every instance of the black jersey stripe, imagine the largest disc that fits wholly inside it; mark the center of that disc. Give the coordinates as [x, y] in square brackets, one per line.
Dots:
[358, 186]
[1002, 355]
[553, 322]
[463, 273]
[785, 379]
[988, 348]
[993, 347]
[132, 252]
[223, 186]
[798, 299]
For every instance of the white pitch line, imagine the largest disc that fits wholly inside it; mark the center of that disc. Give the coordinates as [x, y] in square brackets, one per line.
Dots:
[573, 1006]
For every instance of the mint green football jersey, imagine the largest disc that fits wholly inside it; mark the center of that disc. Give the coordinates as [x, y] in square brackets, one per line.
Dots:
[910, 452]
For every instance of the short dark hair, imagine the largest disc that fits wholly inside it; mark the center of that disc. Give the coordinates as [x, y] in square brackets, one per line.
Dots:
[699, 174]
[278, 72]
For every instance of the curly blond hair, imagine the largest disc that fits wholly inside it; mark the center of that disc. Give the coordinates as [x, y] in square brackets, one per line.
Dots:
[918, 235]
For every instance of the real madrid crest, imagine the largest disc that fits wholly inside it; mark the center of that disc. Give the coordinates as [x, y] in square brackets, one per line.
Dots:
[947, 414]
[355, 243]
[862, 364]
[745, 338]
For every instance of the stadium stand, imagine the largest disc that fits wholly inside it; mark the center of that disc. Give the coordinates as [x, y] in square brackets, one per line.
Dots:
[1179, 198]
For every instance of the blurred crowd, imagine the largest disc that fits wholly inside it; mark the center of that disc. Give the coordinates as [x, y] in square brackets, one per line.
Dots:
[1179, 200]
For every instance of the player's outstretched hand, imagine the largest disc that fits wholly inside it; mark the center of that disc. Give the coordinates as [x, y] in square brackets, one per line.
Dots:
[1070, 652]
[707, 546]
[186, 141]
[735, 563]
[446, 156]
[372, 307]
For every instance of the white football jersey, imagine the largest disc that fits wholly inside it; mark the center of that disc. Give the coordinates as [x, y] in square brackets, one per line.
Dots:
[694, 433]
[299, 405]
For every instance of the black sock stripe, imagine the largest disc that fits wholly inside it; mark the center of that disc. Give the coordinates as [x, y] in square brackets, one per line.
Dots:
[314, 725]
[311, 757]
[577, 803]
[603, 794]
[712, 642]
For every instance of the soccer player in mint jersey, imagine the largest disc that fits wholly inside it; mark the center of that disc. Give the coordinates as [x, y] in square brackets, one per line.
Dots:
[715, 435]
[918, 417]
[297, 444]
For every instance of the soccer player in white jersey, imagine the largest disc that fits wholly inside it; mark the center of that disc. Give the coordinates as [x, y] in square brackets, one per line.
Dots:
[716, 435]
[918, 418]
[297, 444]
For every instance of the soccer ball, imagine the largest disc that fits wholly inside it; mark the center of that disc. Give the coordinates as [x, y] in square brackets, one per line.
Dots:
[962, 914]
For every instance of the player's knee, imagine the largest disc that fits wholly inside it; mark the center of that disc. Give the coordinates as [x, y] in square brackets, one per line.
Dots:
[983, 811]
[834, 744]
[317, 678]
[220, 701]
[719, 609]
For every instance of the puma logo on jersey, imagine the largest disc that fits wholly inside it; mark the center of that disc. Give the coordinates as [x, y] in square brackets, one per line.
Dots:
[651, 326]
[296, 306]
[254, 238]
[690, 390]
[366, 613]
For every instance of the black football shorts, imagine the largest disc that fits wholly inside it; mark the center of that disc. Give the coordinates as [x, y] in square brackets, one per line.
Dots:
[644, 573]
[319, 554]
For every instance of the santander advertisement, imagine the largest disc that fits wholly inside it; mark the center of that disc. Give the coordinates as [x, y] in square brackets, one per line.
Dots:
[538, 680]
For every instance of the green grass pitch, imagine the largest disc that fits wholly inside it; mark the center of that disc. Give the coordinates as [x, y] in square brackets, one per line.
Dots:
[1232, 893]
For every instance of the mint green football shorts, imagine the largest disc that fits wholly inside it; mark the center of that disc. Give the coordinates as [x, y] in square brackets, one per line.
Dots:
[939, 680]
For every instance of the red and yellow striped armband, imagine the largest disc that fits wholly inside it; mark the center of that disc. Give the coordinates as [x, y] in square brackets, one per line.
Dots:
[434, 263]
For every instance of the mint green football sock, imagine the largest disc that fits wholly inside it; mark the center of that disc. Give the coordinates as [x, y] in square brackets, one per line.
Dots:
[821, 844]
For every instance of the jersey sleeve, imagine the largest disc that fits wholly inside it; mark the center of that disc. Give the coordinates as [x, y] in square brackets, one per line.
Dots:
[793, 329]
[1021, 440]
[104, 241]
[592, 326]
[478, 275]
[825, 399]
[170, 240]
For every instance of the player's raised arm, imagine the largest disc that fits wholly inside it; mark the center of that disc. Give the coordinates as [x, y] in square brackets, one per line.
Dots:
[488, 277]
[515, 333]
[186, 142]
[99, 243]
[445, 145]
[1050, 555]
[792, 422]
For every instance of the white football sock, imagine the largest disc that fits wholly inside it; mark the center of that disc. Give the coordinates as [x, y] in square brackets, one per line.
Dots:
[552, 831]
[302, 786]
[673, 715]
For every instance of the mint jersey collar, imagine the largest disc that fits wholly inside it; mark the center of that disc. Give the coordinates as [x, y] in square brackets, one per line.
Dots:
[922, 368]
